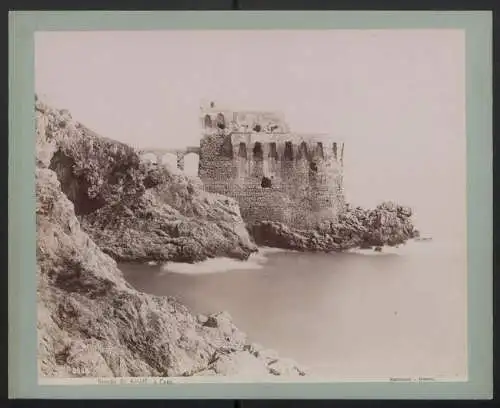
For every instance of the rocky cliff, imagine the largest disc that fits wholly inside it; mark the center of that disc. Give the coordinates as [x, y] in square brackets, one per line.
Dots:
[133, 210]
[91, 322]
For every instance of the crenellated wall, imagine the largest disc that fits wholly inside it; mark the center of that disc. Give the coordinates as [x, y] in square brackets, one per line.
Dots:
[288, 177]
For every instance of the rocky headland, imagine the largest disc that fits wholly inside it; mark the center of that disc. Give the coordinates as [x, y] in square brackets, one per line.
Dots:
[388, 224]
[99, 203]
[91, 322]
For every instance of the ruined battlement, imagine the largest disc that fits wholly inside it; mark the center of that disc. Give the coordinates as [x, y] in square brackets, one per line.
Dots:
[285, 146]
[214, 119]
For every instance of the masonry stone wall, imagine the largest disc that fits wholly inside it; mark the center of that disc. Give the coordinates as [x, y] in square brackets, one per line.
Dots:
[291, 178]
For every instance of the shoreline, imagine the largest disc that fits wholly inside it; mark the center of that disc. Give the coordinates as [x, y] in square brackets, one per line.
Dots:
[211, 265]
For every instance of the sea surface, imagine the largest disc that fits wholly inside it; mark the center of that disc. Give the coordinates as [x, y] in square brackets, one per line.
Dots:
[359, 315]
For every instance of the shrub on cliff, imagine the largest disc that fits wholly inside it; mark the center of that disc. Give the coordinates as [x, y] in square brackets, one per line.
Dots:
[93, 171]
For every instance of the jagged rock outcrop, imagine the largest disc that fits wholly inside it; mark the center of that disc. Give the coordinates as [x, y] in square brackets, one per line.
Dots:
[133, 210]
[93, 171]
[92, 323]
[388, 224]
[174, 221]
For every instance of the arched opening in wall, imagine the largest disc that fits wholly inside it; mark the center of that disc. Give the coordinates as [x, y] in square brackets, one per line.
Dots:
[266, 182]
[242, 151]
[208, 121]
[191, 161]
[319, 150]
[169, 160]
[257, 128]
[227, 147]
[288, 151]
[273, 152]
[150, 158]
[303, 151]
[335, 150]
[257, 151]
[221, 121]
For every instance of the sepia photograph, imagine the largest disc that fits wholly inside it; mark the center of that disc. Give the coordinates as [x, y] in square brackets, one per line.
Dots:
[251, 205]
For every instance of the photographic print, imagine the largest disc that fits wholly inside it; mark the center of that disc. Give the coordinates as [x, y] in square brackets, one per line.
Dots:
[251, 205]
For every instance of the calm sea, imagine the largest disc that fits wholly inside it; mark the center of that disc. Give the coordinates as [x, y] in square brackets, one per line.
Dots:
[358, 315]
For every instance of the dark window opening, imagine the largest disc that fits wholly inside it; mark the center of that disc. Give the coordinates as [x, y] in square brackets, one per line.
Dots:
[313, 166]
[257, 128]
[257, 151]
[335, 151]
[319, 149]
[221, 121]
[243, 150]
[273, 152]
[208, 121]
[288, 151]
[266, 182]
[227, 147]
[303, 150]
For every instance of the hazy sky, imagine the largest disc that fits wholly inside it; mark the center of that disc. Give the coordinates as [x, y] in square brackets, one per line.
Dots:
[396, 97]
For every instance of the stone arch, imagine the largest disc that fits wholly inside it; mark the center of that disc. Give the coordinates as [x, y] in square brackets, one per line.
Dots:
[258, 154]
[242, 152]
[191, 162]
[169, 160]
[288, 154]
[207, 121]
[149, 157]
[273, 151]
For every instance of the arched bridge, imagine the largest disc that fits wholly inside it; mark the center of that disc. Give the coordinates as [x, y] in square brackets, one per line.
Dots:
[161, 154]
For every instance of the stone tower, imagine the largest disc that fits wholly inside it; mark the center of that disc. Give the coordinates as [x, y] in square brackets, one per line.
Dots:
[273, 173]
